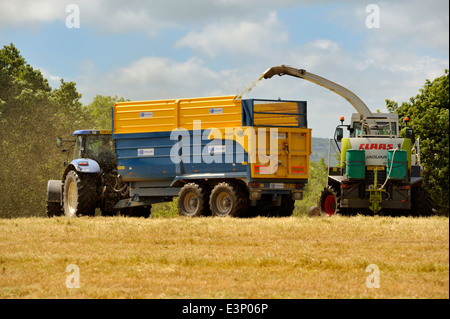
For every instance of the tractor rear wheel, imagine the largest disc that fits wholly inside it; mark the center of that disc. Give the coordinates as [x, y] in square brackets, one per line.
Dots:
[79, 194]
[54, 209]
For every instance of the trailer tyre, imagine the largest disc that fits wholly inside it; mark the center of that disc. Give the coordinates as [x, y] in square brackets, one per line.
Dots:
[192, 200]
[79, 194]
[285, 210]
[228, 200]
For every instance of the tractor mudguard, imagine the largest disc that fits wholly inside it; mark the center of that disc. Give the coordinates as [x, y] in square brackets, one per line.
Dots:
[54, 191]
[85, 165]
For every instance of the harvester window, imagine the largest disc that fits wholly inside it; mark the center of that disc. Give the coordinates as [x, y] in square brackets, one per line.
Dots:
[379, 129]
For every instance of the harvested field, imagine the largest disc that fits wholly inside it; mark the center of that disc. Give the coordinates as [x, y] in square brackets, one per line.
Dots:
[170, 258]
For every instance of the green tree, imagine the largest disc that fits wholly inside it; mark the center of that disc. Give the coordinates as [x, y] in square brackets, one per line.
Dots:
[100, 109]
[316, 183]
[32, 114]
[429, 117]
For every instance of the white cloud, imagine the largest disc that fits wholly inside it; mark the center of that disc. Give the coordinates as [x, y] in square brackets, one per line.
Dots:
[30, 12]
[237, 37]
[408, 24]
[151, 78]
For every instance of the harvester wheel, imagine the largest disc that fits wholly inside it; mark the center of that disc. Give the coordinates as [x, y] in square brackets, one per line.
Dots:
[192, 200]
[422, 203]
[79, 194]
[329, 201]
[228, 200]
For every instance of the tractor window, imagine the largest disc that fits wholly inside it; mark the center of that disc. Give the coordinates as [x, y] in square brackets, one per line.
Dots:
[77, 149]
[100, 148]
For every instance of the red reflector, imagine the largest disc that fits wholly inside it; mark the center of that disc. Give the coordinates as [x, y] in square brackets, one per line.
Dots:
[298, 169]
[404, 187]
[255, 185]
[83, 164]
[346, 185]
[299, 186]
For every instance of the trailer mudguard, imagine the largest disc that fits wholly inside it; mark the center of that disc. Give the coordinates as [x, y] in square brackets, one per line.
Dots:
[85, 165]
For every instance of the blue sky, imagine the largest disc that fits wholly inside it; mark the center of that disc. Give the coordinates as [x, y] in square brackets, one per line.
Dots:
[143, 50]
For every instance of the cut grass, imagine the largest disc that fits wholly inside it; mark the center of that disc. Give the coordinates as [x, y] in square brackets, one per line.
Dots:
[296, 257]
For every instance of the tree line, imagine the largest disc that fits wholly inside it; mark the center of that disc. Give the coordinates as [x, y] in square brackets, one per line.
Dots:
[33, 114]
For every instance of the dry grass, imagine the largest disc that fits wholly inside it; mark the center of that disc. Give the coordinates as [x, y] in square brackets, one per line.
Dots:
[295, 257]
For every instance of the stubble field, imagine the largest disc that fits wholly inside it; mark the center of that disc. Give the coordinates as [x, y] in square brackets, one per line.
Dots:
[171, 258]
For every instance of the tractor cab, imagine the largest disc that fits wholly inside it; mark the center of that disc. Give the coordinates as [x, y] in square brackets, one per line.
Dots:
[96, 145]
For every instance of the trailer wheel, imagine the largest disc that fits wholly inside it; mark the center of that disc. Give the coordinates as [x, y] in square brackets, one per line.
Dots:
[228, 200]
[286, 208]
[422, 203]
[79, 195]
[329, 202]
[192, 200]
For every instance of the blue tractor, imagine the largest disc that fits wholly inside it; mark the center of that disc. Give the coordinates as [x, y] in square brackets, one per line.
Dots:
[90, 180]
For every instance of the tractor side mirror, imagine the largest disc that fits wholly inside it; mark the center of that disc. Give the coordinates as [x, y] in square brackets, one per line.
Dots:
[409, 134]
[58, 141]
[339, 134]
